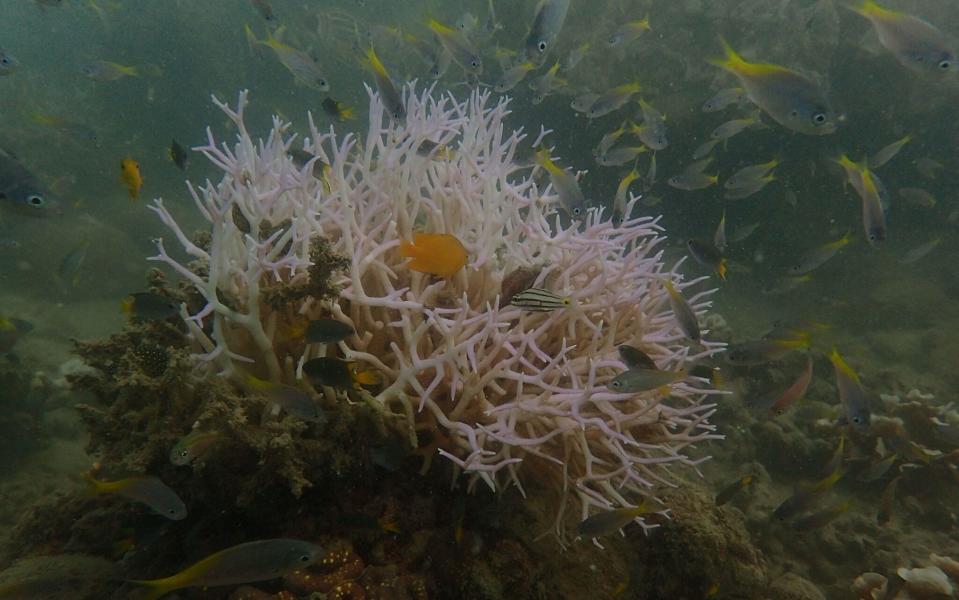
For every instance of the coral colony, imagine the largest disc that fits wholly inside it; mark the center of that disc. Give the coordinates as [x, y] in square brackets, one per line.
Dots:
[509, 395]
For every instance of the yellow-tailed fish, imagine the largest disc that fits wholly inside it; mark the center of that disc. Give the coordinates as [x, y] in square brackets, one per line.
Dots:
[301, 65]
[629, 31]
[734, 127]
[724, 98]
[793, 393]
[786, 285]
[130, 176]
[915, 43]
[816, 257]
[748, 175]
[855, 399]
[650, 177]
[613, 99]
[543, 85]
[539, 300]
[788, 97]
[873, 215]
[637, 379]
[261, 560]
[653, 130]
[708, 255]
[619, 202]
[692, 181]
[146, 490]
[757, 352]
[608, 140]
[749, 188]
[458, 46]
[391, 98]
[620, 156]
[567, 188]
[512, 76]
[852, 172]
[439, 254]
[806, 497]
[291, 399]
[634, 358]
[104, 70]
[193, 446]
[685, 316]
[547, 23]
[886, 153]
[730, 491]
[611, 521]
[337, 110]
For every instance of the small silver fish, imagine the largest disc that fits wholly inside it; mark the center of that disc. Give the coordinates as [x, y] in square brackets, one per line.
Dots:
[539, 300]
[193, 446]
[146, 490]
[612, 100]
[611, 521]
[104, 70]
[634, 358]
[685, 316]
[888, 152]
[627, 32]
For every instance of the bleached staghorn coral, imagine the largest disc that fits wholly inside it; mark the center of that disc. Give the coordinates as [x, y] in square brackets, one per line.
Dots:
[510, 395]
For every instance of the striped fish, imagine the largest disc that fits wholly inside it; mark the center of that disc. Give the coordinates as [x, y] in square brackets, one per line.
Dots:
[539, 300]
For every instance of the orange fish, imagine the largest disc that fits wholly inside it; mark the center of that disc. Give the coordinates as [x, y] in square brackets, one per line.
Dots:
[130, 175]
[439, 254]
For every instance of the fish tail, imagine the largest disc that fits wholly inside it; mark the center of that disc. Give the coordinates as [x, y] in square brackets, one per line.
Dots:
[721, 268]
[869, 8]
[94, 487]
[347, 113]
[438, 28]
[375, 62]
[131, 71]
[644, 23]
[732, 61]
[544, 160]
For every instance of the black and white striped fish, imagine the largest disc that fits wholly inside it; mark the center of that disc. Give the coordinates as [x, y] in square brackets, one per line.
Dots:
[540, 300]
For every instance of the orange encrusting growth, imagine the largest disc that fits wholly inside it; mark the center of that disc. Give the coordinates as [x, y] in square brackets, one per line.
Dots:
[439, 254]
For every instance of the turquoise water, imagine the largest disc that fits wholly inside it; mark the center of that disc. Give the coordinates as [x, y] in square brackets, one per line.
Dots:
[115, 407]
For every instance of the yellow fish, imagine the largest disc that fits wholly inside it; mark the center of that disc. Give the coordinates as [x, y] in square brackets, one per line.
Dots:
[439, 254]
[130, 176]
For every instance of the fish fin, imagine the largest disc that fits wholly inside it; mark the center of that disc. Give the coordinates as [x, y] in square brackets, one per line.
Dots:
[126, 305]
[375, 64]
[721, 268]
[737, 65]
[869, 9]
[408, 250]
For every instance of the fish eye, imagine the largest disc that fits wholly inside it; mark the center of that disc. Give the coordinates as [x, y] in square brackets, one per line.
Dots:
[819, 118]
[304, 558]
[35, 200]
[5, 60]
[615, 385]
[541, 46]
[323, 83]
[184, 453]
[474, 63]
[794, 113]
[945, 65]
[577, 211]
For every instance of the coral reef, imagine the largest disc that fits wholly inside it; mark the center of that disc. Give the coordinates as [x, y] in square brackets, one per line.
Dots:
[503, 393]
